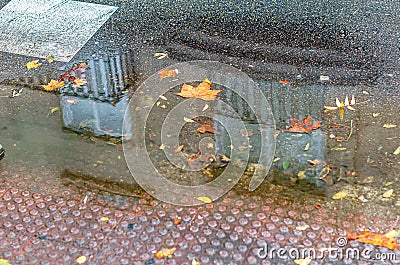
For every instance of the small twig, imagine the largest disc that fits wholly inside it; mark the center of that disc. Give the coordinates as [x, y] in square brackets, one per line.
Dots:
[351, 130]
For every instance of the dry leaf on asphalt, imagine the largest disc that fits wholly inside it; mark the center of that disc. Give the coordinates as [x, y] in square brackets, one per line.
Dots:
[168, 73]
[389, 126]
[202, 91]
[53, 85]
[33, 64]
[339, 195]
[388, 194]
[376, 239]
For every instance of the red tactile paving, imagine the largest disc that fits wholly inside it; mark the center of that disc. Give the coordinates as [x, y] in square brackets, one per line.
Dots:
[44, 222]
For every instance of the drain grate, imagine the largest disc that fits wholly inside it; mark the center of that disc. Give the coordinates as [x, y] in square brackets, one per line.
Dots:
[104, 76]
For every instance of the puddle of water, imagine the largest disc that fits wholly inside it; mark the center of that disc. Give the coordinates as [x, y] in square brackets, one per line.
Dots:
[352, 153]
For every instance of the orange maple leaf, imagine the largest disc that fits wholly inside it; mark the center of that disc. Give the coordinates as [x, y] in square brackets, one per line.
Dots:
[376, 239]
[303, 126]
[53, 85]
[202, 91]
[168, 73]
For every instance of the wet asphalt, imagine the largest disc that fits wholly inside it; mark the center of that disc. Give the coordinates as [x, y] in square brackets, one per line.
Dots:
[355, 40]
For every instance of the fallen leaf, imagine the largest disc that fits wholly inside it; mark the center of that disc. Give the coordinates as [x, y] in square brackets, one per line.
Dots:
[389, 126]
[78, 82]
[206, 127]
[77, 71]
[81, 259]
[392, 233]
[397, 151]
[339, 195]
[53, 85]
[177, 220]
[52, 110]
[303, 126]
[307, 147]
[4, 262]
[302, 227]
[33, 64]
[204, 199]
[178, 149]
[388, 194]
[375, 115]
[104, 219]
[324, 78]
[305, 261]
[301, 174]
[163, 97]
[285, 165]
[375, 239]
[284, 82]
[161, 55]
[202, 91]
[205, 108]
[187, 119]
[165, 253]
[276, 159]
[195, 262]
[246, 133]
[50, 59]
[168, 73]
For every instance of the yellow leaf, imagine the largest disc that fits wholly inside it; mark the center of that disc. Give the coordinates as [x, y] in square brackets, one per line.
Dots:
[392, 233]
[339, 195]
[79, 82]
[204, 199]
[397, 151]
[104, 219]
[53, 85]
[165, 252]
[388, 126]
[195, 262]
[187, 119]
[178, 149]
[307, 147]
[4, 262]
[301, 174]
[160, 55]
[341, 113]
[33, 64]
[303, 227]
[52, 110]
[388, 194]
[305, 261]
[81, 259]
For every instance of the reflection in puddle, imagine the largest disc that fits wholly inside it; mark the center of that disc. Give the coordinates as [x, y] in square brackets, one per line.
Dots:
[96, 103]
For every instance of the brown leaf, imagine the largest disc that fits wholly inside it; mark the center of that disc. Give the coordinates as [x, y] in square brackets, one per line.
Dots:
[199, 160]
[303, 126]
[206, 127]
[168, 73]
[202, 91]
[376, 239]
